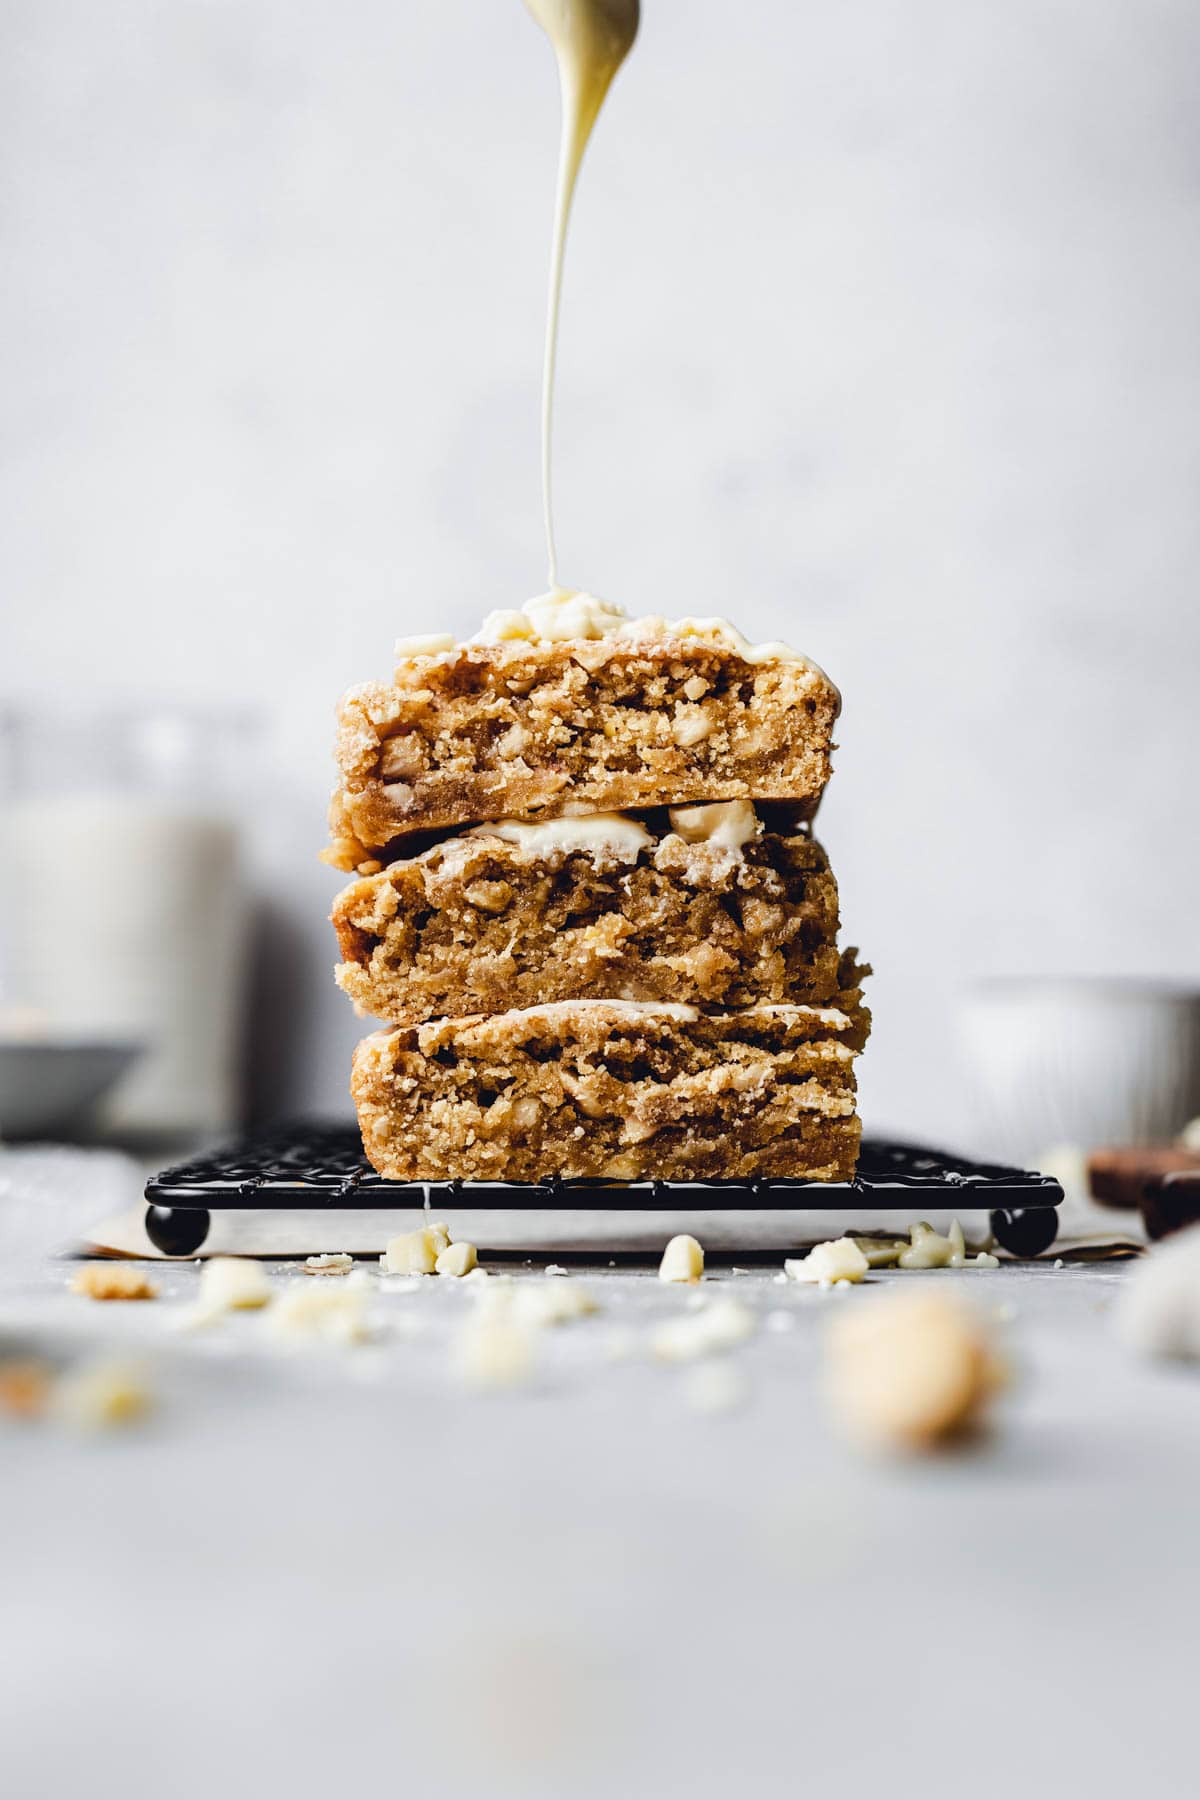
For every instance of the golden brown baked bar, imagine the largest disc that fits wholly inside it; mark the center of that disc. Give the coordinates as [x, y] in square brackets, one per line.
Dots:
[483, 923]
[515, 728]
[612, 1090]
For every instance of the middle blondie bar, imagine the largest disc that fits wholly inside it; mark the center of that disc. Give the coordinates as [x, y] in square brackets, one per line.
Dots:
[711, 905]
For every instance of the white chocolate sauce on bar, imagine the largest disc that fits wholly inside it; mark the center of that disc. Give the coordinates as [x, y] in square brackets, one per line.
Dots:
[726, 824]
[616, 833]
[723, 824]
[553, 1010]
[591, 40]
[564, 617]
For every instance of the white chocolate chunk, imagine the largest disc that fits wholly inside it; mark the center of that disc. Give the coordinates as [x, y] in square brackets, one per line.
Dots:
[1159, 1311]
[726, 824]
[101, 1395]
[690, 726]
[495, 1351]
[233, 1284]
[928, 1249]
[321, 1313]
[682, 1260]
[533, 1305]
[556, 1304]
[906, 1371]
[566, 615]
[456, 1259]
[838, 1260]
[718, 1327]
[924, 1248]
[562, 615]
[415, 1252]
[881, 1253]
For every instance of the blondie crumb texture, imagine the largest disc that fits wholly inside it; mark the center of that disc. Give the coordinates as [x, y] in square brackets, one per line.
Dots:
[113, 1281]
[613, 1090]
[25, 1387]
[477, 925]
[506, 730]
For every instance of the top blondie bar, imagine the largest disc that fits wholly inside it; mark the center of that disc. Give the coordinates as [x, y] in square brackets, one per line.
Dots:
[570, 706]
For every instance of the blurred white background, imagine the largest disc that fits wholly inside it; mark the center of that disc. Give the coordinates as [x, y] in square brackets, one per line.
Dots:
[880, 335]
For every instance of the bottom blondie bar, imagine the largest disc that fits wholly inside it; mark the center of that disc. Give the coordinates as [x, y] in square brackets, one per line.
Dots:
[614, 1090]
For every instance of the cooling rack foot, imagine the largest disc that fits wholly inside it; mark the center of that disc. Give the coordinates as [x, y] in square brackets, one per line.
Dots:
[1025, 1230]
[177, 1230]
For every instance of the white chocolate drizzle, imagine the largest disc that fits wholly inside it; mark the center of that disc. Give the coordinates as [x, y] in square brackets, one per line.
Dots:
[591, 40]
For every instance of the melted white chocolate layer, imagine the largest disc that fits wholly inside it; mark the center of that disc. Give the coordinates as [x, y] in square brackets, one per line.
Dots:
[721, 825]
[614, 833]
[625, 1009]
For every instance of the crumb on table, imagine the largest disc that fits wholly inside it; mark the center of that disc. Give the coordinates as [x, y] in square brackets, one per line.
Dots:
[113, 1281]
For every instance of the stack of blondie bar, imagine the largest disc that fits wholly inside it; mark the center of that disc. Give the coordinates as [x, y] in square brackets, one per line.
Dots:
[588, 906]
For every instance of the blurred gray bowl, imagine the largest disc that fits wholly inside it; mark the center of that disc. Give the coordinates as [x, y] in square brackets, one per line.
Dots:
[49, 1089]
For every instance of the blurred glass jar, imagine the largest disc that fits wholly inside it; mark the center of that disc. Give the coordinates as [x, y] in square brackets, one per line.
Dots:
[123, 903]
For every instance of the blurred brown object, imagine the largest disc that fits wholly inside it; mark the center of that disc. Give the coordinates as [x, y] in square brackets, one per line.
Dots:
[24, 1387]
[910, 1371]
[1118, 1177]
[1172, 1200]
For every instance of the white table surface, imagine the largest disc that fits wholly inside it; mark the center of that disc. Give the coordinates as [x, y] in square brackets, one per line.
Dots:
[315, 1571]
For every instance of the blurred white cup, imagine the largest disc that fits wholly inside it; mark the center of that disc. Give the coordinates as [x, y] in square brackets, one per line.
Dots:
[1080, 1061]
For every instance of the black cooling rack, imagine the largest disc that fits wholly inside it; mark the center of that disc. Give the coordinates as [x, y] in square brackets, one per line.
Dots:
[323, 1167]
